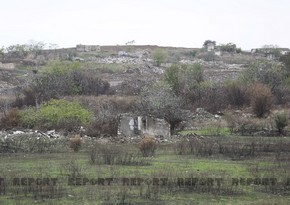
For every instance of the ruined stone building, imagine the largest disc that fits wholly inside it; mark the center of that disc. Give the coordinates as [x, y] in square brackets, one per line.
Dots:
[133, 126]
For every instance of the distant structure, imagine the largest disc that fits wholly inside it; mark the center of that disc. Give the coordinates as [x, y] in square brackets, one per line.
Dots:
[209, 45]
[270, 53]
[133, 126]
[88, 48]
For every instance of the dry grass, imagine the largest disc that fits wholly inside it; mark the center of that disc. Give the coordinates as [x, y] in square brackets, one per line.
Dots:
[75, 143]
[147, 146]
[11, 119]
[261, 99]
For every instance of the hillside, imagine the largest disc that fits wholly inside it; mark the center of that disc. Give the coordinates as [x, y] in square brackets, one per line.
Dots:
[219, 80]
[119, 64]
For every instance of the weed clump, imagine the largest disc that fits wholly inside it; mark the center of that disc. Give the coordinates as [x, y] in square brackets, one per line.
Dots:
[75, 143]
[261, 99]
[281, 121]
[11, 119]
[147, 146]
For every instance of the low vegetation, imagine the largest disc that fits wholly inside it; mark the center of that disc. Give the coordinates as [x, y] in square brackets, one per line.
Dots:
[10, 119]
[147, 146]
[55, 114]
[281, 121]
[75, 143]
[113, 154]
[176, 171]
[159, 56]
[261, 99]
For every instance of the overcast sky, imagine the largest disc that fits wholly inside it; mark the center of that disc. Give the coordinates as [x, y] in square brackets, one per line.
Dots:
[183, 23]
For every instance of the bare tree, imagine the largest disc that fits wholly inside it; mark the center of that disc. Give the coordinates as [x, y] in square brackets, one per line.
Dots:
[160, 101]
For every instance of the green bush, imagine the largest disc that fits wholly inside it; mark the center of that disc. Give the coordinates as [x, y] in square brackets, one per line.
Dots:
[159, 56]
[185, 80]
[171, 76]
[55, 114]
[229, 47]
[281, 121]
[232, 121]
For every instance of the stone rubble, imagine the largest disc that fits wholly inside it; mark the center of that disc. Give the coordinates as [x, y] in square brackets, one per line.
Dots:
[52, 135]
[119, 60]
[201, 114]
[219, 65]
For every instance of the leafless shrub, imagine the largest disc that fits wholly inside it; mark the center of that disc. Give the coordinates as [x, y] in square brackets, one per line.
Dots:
[11, 119]
[61, 80]
[236, 94]
[160, 101]
[105, 126]
[25, 97]
[261, 99]
[89, 83]
[75, 143]
[213, 98]
[6, 102]
[281, 94]
[106, 110]
[147, 146]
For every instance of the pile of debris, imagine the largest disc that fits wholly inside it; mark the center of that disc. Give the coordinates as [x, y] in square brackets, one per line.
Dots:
[202, 115]
[119, 60]
[214, 64]
[145, 69]
[51, 134]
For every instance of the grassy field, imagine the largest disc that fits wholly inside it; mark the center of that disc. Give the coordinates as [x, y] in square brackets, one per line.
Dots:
[169, 177]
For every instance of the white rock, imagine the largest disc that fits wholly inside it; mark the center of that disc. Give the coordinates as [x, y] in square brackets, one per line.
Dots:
[18, 132]
[216, 116]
